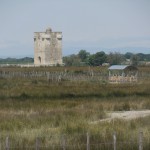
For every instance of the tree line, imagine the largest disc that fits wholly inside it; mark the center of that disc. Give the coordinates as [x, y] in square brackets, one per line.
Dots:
[84, 58]
[24, 60]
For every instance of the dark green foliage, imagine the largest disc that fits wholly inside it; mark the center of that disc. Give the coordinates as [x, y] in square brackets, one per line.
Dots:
[83, 58]
[128, 55]
[135, 60]
[24, 60]
[83, 55]
[115, 58]
[97, 59]
[72, 60]
[143, 57]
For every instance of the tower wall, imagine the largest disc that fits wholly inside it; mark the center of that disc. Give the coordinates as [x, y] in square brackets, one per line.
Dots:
[48, 48]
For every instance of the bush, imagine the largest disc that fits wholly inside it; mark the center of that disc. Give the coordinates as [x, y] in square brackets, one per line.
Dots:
[126, 106]
[122, 107]
[24, 96]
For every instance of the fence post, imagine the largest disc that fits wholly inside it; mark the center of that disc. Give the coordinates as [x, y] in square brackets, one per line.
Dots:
[88, 142]
[63, 142]
[7, 143]
[37, 144]
[140, 140]
[114, 140]
[0, 142]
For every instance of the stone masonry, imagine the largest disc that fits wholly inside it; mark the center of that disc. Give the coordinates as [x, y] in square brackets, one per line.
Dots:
[47, 48]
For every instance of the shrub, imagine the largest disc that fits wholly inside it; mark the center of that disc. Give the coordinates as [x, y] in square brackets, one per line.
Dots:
[122, 107]
[24, 96]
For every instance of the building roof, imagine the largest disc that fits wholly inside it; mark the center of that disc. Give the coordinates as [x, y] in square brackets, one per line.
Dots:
[121, 67]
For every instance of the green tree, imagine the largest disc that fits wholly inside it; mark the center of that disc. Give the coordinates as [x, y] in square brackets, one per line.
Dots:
[72, 60]
[83, 55]
[91, 60]
[100, 58]
[135, 60]
[128, 55]
[97, 59]
[141, 56]
[115, 58]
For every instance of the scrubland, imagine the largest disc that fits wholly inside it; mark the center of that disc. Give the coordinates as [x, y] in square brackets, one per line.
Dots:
[34, 107]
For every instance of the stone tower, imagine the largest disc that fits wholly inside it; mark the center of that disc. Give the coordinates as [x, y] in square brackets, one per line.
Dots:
[47, 48]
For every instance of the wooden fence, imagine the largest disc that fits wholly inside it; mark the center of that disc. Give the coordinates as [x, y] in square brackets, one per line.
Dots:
[58, 76]
[86, 144]
[122, 79]
[55, 76]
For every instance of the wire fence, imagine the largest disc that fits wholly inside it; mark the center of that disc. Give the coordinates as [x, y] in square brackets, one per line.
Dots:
[58, 76]
[77, 142]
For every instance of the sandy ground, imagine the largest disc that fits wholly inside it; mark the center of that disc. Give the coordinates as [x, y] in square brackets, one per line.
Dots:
[130, 114]
[125, 115]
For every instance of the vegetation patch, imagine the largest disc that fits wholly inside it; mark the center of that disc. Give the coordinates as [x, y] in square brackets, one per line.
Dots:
[34, 107]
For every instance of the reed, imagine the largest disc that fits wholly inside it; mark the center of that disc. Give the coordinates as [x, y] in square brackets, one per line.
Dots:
[32, 107]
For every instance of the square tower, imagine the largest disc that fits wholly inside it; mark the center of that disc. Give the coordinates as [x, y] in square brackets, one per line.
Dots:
[47, 48]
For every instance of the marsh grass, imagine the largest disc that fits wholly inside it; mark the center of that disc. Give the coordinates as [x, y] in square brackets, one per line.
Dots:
[31, 108]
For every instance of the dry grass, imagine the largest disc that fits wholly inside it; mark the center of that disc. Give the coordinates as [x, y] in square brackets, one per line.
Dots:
[33, 107]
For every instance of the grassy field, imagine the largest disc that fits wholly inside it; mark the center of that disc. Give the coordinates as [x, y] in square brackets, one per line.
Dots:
[34, 107]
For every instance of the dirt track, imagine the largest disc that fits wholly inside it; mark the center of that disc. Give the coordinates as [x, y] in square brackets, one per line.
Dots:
[125, 115]
[130, 114]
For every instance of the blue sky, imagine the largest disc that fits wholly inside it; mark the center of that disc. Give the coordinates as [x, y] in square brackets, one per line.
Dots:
[94, 25]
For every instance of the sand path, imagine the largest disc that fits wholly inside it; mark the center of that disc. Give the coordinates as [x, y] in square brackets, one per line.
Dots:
[125, 115]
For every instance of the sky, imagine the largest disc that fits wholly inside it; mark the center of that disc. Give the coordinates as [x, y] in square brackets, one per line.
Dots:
[93, 25]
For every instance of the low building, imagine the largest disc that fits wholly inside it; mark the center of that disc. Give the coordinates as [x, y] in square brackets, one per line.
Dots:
[123, 74]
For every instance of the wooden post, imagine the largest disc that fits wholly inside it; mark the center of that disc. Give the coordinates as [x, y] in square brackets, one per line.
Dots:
[7, 143]
[114, 140]
[63, 142]
[37, 144]
[140, 140]
[0, 143]
[88, 142]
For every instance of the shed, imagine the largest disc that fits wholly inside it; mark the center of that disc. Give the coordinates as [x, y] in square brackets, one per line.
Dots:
[123, 74]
